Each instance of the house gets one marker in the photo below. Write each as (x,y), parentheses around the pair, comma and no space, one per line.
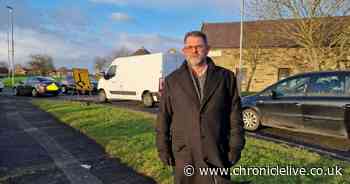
(20,70)
(141,51)
(61,72)
(275,58)
(3,71)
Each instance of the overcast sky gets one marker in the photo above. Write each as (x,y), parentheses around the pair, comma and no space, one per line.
(73,32)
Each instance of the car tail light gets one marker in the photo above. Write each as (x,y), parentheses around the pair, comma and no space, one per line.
(41,87)
(161,86)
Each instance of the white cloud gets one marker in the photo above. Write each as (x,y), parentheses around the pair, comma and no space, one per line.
(121,17)
(78,54)
(152,42)
(64,52)
(226,5)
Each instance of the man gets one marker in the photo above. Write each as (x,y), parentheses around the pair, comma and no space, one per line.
(200,119)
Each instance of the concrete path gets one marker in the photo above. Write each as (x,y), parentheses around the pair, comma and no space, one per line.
(37,149)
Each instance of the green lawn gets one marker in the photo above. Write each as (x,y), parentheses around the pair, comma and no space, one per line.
(129,135)
(246,93)
(8,81)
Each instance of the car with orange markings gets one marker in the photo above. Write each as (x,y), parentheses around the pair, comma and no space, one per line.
(37,86)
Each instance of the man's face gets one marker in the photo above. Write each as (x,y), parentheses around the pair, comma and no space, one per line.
(195,50)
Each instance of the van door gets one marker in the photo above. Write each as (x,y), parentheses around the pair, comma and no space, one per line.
(324,106)
(112,80)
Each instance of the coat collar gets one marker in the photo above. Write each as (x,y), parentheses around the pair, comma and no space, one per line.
(211,83)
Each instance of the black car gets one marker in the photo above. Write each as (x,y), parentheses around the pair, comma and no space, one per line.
(317,102)
(36,86)
(68,85)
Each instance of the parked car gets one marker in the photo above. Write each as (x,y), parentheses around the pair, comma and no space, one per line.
(317,103)
(1,86)
(68,85)
(36,86)
(138,77)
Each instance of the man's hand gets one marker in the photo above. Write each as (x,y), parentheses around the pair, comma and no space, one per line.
(167,159)
(234,157)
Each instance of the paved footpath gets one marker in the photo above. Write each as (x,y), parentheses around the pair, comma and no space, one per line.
(37,149)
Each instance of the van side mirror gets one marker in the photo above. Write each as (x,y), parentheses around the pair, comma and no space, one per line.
(106,76)
(273,94)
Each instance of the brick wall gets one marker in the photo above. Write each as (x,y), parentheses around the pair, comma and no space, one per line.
(269,64)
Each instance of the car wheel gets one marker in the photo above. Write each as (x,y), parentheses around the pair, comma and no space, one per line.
(64,89)
(147,100)
(35,92)
(102,96)
(15,92)
(251,119)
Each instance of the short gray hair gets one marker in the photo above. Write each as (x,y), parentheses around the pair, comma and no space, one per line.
(196,34)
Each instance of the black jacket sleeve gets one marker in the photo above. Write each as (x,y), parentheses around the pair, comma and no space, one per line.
(163,137)
(237,138)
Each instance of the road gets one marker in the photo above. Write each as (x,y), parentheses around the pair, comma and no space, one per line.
(334,147)
(37,149)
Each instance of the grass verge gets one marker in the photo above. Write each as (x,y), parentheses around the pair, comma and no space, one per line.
(8,80)
(129,135)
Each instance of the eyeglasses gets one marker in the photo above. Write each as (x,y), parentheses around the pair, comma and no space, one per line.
(196,47)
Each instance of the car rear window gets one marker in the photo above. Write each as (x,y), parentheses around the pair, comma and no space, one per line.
(44,79)
(347,85)
(328,85)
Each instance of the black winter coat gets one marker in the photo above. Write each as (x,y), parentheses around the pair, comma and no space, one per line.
(207,133)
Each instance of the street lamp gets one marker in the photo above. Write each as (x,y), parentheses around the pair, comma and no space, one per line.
(12,63)
(241,49)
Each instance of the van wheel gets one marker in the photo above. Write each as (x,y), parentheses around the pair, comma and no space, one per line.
(251,119)
(102,96)
(147,100)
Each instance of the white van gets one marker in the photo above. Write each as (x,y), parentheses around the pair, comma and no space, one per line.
(138,77)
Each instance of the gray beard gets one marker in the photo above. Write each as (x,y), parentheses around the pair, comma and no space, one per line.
(196,63)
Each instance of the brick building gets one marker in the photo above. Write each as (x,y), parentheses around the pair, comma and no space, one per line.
(277,58)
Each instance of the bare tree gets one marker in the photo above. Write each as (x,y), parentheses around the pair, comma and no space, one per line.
(319,26)
(121,52)
(3,64)
(101,63)
(41,64)
(253,54)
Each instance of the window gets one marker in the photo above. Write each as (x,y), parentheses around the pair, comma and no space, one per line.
(292,87)
(28,81)
(243,74)
(347,85)
(266,92)
(283,73)
(327,85)
(111,71)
